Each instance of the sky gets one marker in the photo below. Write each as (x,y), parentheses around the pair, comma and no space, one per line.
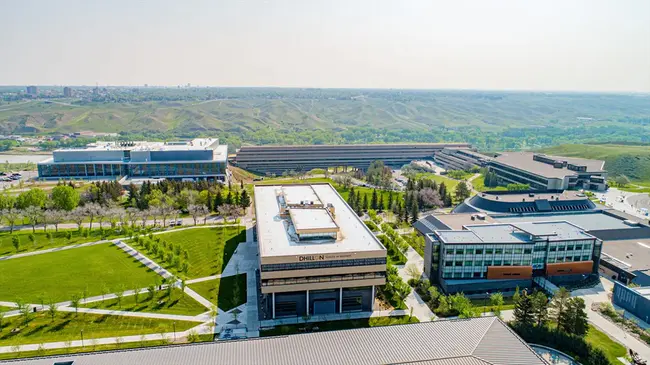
(578,45)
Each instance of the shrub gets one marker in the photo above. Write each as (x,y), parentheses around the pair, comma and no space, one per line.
(68,235)
(48,235)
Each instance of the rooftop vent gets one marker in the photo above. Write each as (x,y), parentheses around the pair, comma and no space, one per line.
(631,222)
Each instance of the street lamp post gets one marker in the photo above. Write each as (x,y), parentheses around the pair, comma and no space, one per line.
(174,331)
(485,303)
(82,338)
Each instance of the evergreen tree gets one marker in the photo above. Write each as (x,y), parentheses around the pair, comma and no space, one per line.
(447,200)
(410,185)
(365,202)
(241,184)
(229,197)
(244,199)
(414,211)
(558,307)
(576,317)
(404,213)
(210,201)
(373,200)
(380,203)
(540,308)
(523,313)
(218,201)
(351,199)
(389,204)
(442,189)
(236,198)
(462,191)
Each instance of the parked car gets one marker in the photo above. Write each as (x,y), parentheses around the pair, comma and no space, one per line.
(172,224)
(179,222)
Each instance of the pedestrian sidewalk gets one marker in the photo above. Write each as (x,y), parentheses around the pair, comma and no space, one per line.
(413,301)
(172,317)
(143,259)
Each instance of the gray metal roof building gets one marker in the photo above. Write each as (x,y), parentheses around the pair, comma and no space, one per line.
(475,341)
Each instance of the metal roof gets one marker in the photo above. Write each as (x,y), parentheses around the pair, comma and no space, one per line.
(475,341)
(524,161)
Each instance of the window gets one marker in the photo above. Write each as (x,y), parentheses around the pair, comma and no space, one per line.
(477,274)
(449,263)
(585,258)
(576,258)
(561,248)
(460,251)
(507,262)
(458,263)
(578,247)
(479,251)
(527,251)
(569,247)
(568,259)
(518,251)
(487,262)
(489,251)
(553,249)
(498,251)
(508,251)
(497,262)
(478,263)
(467,275)
(469,263)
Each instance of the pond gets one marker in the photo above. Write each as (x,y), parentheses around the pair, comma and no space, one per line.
(553,356)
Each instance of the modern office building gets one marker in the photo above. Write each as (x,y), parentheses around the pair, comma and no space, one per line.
(482,258)
(316,255)
(460,158)
(471,341)
(545,172)
(31,90)
(279,159)
(633,300)
(67,92)
(200,158)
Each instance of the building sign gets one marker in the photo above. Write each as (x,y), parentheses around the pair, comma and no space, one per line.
(324,257)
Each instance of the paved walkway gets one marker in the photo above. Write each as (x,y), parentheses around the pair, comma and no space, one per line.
(196,296)
(143,259)
(55,249)
(173,317)
(413,301)
(205,278)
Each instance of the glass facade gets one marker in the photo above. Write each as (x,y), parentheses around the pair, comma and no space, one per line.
(90,170)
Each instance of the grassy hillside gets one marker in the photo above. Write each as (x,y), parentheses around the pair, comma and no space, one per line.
(489,120)
(632,161)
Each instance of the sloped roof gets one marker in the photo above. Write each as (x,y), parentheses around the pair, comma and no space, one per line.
(475,341)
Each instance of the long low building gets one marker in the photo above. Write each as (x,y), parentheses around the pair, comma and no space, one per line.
(545,172)
(278,159)
(473,341)
(316,255)
(460,159)
(200,158)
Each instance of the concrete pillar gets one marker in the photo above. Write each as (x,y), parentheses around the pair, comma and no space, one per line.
(273,304)
(307,303)
(372,298)
(341,300)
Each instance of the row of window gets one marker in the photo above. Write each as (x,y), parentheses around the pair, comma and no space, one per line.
(488,251)
(496,262)
(324,264)
(516,174)
(146,170)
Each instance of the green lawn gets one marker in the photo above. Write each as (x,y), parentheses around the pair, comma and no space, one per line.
(6,309)
(41,242)
(180,303)
(223,292)
(67,326)
(600,340)
(288,180)
(480,304)
(209,249)
(449,183)
(479,185)
(60,275)
(337,325)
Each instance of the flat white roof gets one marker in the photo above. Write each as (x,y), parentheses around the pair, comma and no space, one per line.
(195,144)
(299,193)
(311,218)
(276,235)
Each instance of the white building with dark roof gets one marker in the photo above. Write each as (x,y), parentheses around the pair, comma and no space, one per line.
(316,255)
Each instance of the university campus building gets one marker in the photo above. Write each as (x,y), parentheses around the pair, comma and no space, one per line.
(453,158)
(487,257)
(545,172)
(278,159)
(316,255)
(200,158)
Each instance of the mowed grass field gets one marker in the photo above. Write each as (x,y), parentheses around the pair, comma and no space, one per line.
(179,303)
(67,326)
(41,242)
(209,249)
(600,340)
(58,276)
(227,293)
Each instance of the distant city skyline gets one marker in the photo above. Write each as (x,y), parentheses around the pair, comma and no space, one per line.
(580,45)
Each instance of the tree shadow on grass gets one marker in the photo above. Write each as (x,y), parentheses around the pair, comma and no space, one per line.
(60,326)
(35,330)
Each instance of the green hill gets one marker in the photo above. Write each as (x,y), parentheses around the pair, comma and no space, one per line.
(632,161)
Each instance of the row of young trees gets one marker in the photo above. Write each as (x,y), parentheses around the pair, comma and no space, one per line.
(102,202)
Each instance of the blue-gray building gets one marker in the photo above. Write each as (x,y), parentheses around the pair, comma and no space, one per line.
(633,300)
(200,158)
